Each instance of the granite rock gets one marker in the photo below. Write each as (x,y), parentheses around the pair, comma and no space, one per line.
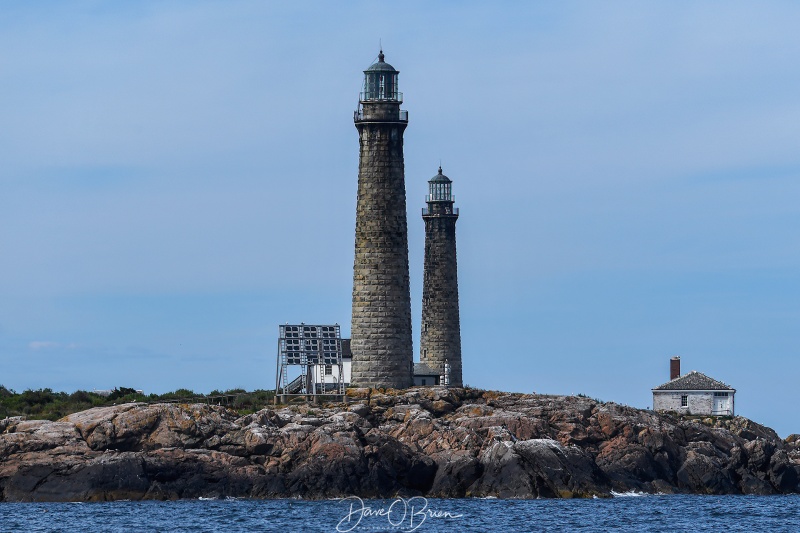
(421,441)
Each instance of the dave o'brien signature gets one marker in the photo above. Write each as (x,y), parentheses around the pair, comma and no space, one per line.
(404,514)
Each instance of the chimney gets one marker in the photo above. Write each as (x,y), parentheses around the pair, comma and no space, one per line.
(674,367)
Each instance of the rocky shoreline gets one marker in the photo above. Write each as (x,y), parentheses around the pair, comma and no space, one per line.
(423,441)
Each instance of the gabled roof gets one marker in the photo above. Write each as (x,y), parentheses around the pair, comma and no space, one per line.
(694,381)
(421,369)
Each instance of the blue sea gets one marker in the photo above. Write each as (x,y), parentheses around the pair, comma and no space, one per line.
(624,513)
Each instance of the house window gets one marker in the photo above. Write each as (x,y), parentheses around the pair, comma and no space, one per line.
(424,381)
(684,400)
(328,370)
(720,394)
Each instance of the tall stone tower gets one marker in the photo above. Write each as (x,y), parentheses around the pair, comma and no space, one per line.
(441,328)
(381,327)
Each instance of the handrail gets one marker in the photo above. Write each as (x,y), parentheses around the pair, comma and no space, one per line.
(431,198)
(296,384)
(402,116)
(427,212)
(396,96)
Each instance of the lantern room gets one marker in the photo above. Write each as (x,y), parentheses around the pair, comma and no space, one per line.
(380,83)
(440,188)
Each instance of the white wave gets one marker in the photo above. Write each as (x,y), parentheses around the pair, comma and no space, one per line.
(629,494)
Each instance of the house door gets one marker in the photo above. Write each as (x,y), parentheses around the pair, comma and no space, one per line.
(721,405)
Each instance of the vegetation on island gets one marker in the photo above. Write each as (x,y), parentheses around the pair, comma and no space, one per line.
(45,404)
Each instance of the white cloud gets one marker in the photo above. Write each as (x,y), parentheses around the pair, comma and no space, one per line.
(43,345)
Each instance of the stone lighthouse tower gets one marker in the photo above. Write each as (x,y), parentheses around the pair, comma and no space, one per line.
(441,329)
(381,327)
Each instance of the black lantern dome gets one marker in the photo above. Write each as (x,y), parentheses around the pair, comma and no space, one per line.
(380,64)
(380,82)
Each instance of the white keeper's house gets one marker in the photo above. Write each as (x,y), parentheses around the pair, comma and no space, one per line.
(693,394)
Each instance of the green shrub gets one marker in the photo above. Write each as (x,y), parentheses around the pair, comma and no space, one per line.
(49,405)
(120,392)
(80,396)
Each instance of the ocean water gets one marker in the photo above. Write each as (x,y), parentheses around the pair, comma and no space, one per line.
(623,513)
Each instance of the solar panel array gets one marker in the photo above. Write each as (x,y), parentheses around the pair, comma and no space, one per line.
(310,345)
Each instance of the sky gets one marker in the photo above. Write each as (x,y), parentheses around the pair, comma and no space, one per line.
(178,178)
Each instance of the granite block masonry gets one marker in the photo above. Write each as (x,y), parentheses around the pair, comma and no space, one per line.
(381,322)
(440,339)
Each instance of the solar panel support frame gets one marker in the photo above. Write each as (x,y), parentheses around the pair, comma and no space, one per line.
(312,348)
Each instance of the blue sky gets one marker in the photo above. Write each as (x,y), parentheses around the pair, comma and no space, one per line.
(179,178)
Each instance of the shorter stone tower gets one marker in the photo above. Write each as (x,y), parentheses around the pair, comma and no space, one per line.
(441,329)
